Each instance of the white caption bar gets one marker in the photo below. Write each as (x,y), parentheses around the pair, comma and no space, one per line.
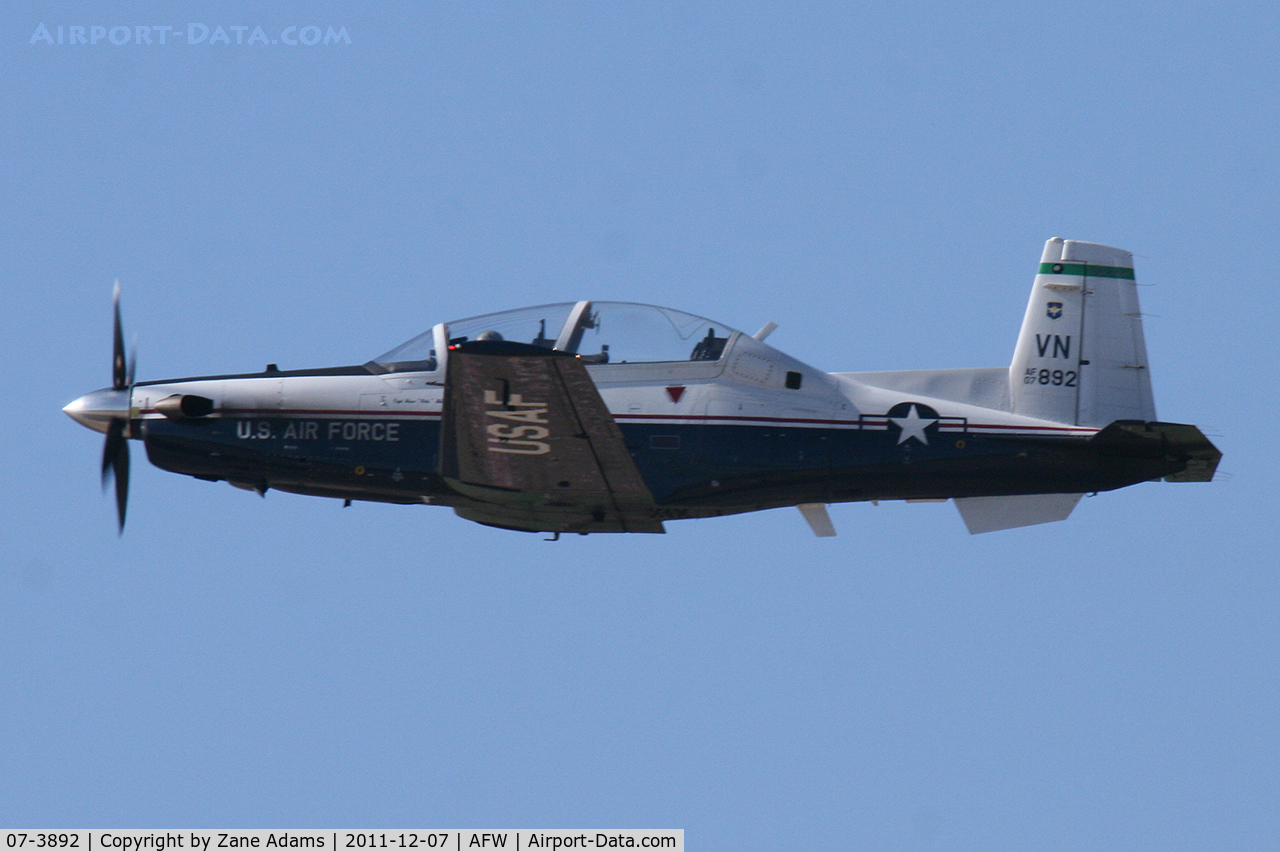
(342,840)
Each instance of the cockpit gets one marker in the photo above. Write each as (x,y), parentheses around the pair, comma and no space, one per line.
(599,332)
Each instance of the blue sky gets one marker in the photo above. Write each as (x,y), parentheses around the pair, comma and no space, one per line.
(879,181)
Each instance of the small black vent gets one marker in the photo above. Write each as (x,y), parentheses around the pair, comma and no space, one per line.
(794,379)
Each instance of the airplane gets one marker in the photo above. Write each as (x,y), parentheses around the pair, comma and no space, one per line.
(591,417)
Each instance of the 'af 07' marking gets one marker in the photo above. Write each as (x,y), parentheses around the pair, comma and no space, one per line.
(522,436)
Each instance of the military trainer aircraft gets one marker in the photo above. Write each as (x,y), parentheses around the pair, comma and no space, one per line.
(616,417)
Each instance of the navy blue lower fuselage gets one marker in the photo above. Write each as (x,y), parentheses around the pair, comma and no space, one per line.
(693,468)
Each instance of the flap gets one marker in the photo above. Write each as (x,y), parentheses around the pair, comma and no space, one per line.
(525,433)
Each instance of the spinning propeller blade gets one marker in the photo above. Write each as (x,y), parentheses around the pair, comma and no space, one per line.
(115,462)
(120,378)
(115,450)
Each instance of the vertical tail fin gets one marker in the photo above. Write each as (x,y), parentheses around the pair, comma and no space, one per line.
(1081,357)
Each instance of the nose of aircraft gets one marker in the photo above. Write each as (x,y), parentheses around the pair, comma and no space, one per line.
(96,410)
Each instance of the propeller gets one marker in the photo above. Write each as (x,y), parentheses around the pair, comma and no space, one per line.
(115,451)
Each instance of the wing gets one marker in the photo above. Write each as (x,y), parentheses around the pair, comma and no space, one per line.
(527,438)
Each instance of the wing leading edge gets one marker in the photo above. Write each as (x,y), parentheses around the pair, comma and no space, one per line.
(526,436)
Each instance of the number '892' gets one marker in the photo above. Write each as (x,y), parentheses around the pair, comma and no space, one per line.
(1063,378)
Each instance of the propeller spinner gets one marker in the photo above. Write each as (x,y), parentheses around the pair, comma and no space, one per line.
(108,411)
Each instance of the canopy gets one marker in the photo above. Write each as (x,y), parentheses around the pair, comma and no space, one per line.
(602,332)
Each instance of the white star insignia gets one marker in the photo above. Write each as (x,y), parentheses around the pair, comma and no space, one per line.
(913,426)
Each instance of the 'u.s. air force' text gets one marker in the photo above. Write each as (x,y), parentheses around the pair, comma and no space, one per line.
(314,430)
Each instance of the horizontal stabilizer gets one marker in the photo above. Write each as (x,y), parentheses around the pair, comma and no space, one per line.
(988,514)
(1174,442)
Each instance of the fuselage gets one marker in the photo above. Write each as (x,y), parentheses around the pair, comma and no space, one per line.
(753,429)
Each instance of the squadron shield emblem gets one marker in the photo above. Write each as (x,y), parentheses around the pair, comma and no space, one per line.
(1054,310)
